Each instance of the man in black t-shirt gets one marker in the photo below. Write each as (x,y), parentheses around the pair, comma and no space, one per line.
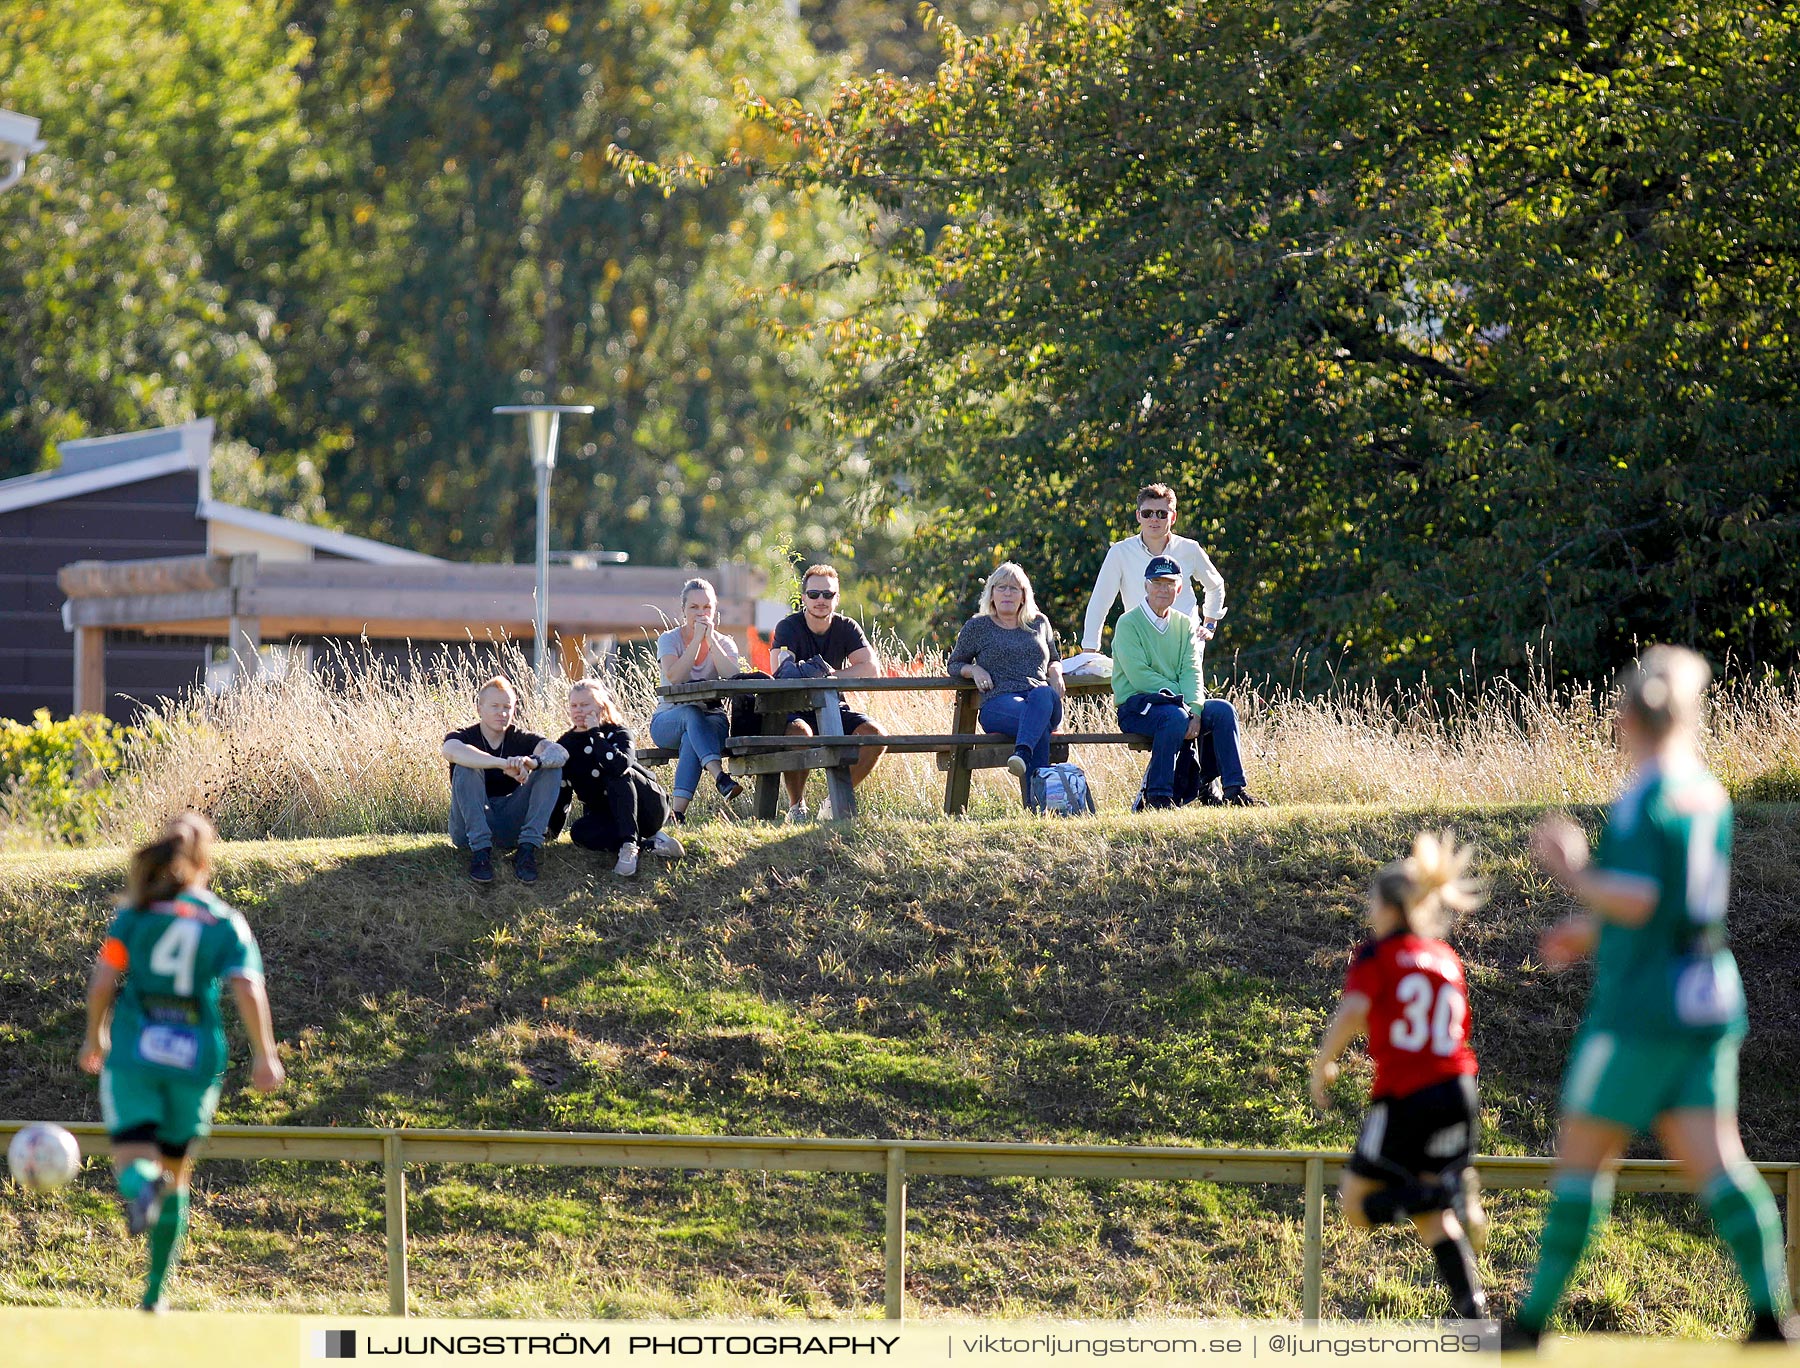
(503,785)
(819,642)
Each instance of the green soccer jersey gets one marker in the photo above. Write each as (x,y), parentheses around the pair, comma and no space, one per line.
(1673,974)
(175,955)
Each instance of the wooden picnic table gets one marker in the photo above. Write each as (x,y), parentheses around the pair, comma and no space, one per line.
(960,751)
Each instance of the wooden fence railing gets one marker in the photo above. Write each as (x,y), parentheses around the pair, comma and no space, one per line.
(897,1160)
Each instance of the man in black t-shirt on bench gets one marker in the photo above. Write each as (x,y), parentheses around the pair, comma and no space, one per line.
(816,643)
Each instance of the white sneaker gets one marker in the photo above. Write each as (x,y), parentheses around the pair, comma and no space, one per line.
(667,846)
(626,868)
(1017,765)
(798,813)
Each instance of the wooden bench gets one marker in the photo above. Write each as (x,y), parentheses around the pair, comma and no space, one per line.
(960,751)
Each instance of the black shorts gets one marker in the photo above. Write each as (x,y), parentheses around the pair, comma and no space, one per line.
(145,1134)
(852,719)
(1429,1133)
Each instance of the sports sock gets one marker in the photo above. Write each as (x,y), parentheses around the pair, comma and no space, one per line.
(132,1178)
(1456,1266)
(165,1242)
(1579,1203)
(1743,1212)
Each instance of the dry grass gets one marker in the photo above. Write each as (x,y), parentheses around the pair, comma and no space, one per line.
(352,748)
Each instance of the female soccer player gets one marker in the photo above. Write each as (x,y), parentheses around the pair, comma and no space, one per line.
(1405,990)
(154,1034)
(1658,1049)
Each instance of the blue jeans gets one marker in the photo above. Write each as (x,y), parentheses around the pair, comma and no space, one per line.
(1212,754)
(478,822)
(698,734)
(1028,718)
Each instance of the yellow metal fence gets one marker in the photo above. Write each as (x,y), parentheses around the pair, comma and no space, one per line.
(897,1160)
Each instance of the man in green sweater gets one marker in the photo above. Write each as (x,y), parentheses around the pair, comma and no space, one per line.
(1156,684)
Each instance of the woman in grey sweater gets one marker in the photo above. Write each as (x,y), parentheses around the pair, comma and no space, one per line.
(1010,650)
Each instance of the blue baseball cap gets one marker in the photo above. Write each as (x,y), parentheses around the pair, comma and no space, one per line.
(1162,567)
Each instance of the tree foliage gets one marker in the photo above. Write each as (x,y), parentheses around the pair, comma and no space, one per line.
(1454,323)
(880,36)
(497,261)
(348,231)
(124,255)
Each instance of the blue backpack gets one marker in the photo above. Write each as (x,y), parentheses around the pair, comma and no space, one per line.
(1061,790)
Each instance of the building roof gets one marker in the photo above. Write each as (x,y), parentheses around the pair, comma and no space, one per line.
(92,464)
(319,538)
(96,463)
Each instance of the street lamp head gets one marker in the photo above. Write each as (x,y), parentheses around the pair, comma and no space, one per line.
(543,420)
(18,140)
(542,423)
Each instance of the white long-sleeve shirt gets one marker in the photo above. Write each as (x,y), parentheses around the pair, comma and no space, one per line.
(1122,577)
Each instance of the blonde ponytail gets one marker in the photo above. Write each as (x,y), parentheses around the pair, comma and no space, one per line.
(180,858)
(1432,886)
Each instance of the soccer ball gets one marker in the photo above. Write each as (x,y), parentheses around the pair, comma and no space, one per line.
(43,1157)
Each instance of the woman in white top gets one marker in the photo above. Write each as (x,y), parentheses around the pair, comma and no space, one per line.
(1122,574)
(692,652)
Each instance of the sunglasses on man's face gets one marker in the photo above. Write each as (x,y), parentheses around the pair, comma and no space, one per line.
(1160,514)
(821,593)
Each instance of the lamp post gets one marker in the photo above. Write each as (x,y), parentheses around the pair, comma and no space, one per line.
(542,422)
(18,140)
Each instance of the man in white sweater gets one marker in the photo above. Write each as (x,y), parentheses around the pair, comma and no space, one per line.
(1122,575)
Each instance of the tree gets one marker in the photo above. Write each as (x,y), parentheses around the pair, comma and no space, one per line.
(488,258)
(879,36)
(1453,322)
(347,232)
(133,258)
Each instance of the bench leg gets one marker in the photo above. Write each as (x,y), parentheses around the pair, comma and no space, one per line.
(956,784)
(843,793)
(837,777)
(768,797)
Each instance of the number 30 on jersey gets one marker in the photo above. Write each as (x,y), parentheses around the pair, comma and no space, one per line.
(1432,1013)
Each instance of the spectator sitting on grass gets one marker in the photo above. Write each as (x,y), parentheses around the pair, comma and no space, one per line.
(1156,684)
(499,788)
(815,643)
(623,808)
(1009,650)
(689,654)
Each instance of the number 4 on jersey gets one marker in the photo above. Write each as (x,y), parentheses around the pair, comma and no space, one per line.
(1431,1013)
(174,953)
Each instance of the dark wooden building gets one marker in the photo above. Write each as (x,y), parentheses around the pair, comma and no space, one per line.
(131,497)
(123,581)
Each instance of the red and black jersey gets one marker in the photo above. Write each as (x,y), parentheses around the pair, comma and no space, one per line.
(1418,1012)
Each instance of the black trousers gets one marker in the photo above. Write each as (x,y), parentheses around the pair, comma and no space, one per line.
(635,809)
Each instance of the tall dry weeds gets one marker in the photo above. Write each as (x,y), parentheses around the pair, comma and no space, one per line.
(351,747)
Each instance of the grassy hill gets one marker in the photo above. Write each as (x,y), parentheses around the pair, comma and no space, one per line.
(1147,980)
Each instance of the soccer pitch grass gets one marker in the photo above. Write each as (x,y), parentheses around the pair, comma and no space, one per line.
(1134,981)
(57,1338)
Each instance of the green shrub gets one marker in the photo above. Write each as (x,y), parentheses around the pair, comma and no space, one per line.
(56,777)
